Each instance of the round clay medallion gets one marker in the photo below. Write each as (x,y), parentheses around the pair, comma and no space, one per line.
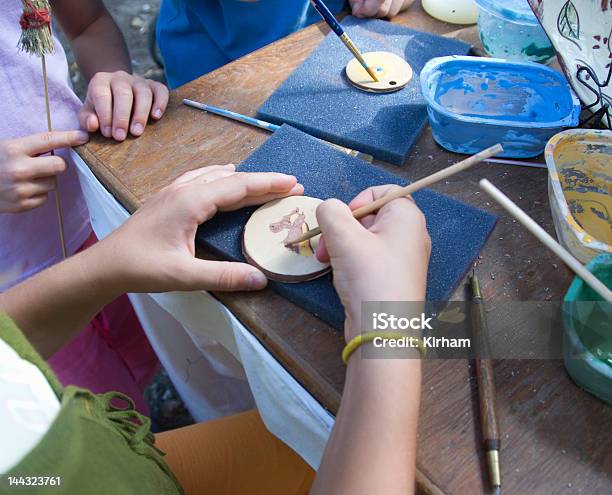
(393,72)
(270,227)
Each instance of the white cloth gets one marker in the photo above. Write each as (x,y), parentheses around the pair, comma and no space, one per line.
(28,407)
(222,343)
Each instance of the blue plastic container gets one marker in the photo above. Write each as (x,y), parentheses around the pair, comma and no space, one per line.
(509,29)
(476,102)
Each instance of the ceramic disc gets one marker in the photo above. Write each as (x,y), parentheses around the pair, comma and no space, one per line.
(392,71)
(270,227)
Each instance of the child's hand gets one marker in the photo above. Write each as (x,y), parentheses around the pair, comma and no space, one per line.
(378,8)
(382,257)
(112,97)
(166,226)
(27,178)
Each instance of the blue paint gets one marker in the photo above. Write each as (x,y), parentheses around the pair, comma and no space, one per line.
(476,102)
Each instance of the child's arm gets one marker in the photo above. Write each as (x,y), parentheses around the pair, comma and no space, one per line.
(95,39)
(117,102)
(372,447)
(152,252)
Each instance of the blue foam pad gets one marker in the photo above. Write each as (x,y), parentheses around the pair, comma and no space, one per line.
(458,231)
(319,100)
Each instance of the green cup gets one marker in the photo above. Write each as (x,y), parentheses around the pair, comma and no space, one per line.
(587,342)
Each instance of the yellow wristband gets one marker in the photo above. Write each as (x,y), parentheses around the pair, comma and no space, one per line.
(363,338)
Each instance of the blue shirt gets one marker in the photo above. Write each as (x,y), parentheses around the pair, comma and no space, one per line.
(197,36)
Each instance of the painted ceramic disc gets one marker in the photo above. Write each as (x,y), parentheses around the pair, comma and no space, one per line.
(270,227)
(392,71)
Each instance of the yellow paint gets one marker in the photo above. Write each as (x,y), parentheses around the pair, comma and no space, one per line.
(584,174)
(305,247)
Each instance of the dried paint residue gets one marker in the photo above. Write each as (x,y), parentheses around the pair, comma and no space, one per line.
(586,182)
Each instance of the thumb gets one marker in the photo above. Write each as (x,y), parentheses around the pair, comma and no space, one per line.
(338,226)
(88,119)
(225,276)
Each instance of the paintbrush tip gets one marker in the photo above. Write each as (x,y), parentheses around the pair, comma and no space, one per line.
(497,490)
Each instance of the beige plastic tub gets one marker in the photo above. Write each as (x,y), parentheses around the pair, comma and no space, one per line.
(580,190)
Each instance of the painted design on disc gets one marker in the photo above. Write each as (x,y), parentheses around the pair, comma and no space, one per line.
(271,227)
(393,72)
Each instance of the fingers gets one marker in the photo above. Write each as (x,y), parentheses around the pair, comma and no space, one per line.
(372,8)
(207,174)
(37,144)
(123,97)
(143,99)
(30,203)
(224,276)
(44,167)
(241,189)
(38,187)
(370,195)
(100,100)
(340,229)
(88,119)
(160,99)
(120,102)
(296,190)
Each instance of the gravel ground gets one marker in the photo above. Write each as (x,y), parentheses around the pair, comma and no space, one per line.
(136,21)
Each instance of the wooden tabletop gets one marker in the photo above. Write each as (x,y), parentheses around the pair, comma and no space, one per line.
(555,437)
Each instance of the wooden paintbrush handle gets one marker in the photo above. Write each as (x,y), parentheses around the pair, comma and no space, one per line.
(414,187)
(427,181)
(485,377)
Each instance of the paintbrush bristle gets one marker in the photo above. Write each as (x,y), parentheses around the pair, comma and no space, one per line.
(36,38)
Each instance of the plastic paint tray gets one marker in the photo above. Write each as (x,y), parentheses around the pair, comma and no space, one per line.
(580,190)
(587,341)
(476,102)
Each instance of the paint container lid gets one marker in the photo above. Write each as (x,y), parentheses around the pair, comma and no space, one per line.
(512,10)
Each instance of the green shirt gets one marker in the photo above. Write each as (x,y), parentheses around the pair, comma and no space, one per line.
(98,444)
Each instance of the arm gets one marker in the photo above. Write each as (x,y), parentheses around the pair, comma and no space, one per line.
(94,37)
(372,447)
(152,252)
(117,101)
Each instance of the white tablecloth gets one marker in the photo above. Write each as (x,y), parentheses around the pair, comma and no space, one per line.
(208,353)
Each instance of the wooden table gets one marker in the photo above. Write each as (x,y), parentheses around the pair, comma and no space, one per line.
(555,437)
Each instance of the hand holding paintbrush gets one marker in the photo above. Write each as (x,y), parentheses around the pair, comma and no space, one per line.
(411,188)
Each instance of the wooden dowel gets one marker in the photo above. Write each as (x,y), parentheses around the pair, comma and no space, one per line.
(411,188)
(546,239)
(58,202)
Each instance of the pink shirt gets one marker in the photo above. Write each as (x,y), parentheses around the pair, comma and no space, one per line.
(29,242)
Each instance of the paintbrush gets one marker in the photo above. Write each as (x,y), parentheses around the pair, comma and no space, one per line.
(333,23)
(486,385)
(262,124)
(411,188)
(546,239)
